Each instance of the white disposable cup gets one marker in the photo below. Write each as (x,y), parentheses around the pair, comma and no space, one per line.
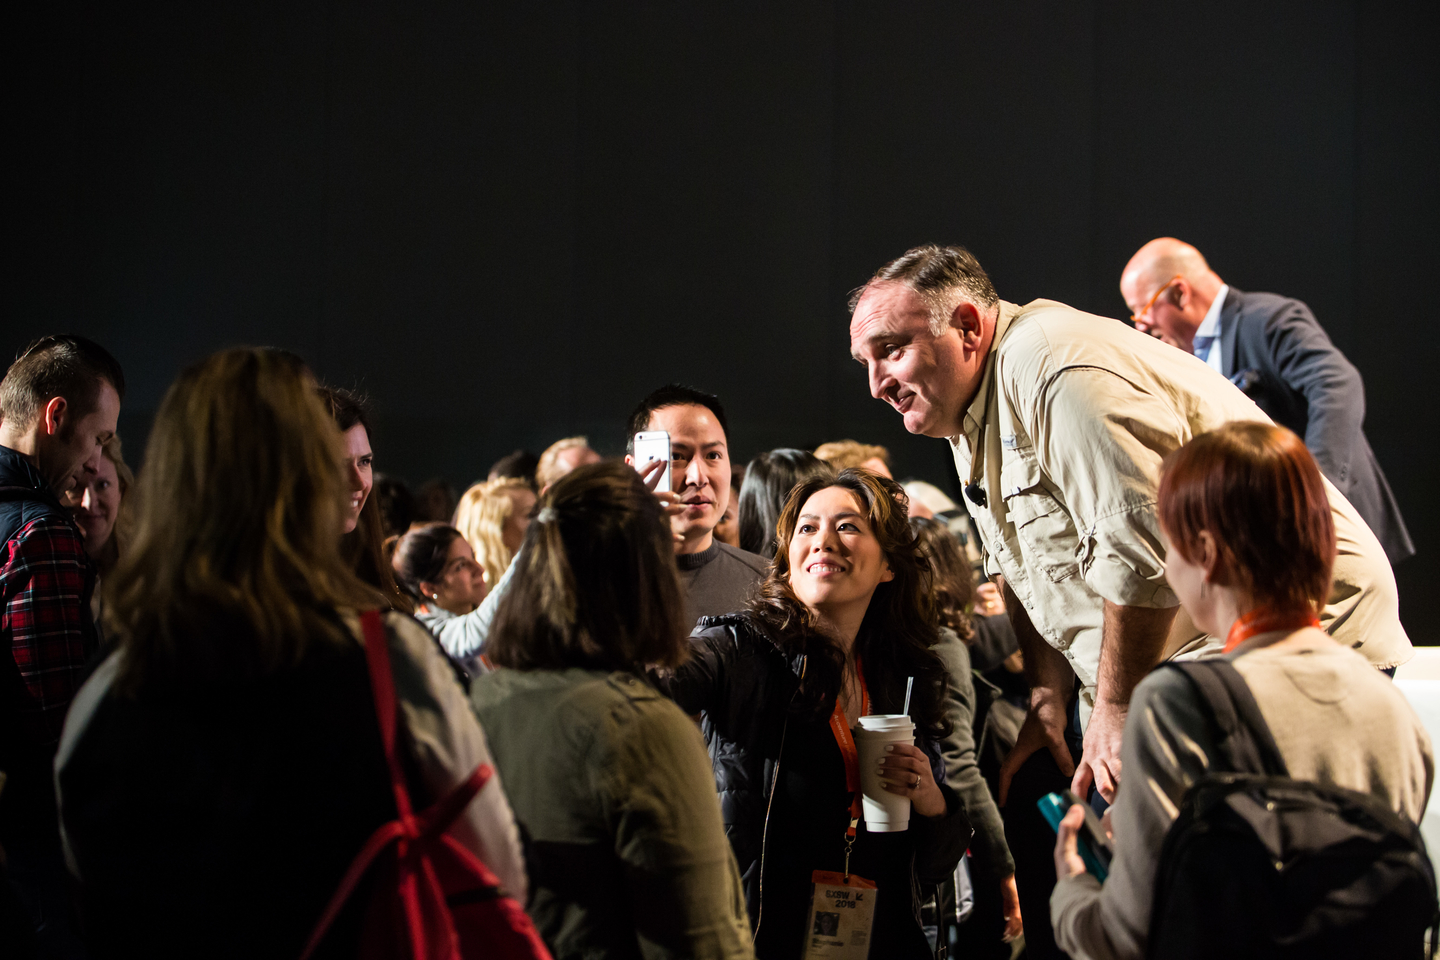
(885,812)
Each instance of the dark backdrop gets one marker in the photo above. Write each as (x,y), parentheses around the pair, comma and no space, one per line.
(507,223)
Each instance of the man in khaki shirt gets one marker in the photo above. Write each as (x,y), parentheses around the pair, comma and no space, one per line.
(1059,421)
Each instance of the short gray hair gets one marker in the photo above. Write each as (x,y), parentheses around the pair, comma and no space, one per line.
(941,276)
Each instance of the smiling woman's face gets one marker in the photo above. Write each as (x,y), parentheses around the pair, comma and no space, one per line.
(835,559)
(359,473)
(98,506)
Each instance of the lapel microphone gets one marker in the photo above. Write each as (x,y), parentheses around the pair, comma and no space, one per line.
(976,493)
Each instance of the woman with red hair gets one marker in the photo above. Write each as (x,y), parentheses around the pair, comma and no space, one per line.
(1250,545)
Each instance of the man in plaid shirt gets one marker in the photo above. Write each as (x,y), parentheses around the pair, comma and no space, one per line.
(58,405)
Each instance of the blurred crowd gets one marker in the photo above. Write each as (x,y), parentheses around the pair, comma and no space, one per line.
(639,697)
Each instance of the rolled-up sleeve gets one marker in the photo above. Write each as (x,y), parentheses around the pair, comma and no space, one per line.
(1101,439)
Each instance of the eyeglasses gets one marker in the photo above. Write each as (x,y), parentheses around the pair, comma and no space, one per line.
(1135,317)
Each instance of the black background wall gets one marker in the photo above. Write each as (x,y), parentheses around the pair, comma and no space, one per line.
(507,223)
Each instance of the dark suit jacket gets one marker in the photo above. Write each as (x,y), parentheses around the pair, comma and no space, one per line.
(1273,348)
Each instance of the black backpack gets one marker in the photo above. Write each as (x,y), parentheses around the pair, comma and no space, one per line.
(1260,865)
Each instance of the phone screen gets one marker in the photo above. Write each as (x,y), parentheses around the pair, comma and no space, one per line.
(1094,847)
(653,445)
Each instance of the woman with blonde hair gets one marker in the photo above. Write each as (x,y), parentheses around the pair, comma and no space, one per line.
(103,510)
(219,771)
(492,517)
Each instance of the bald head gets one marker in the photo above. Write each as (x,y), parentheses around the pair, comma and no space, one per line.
(1169,288)
(1166,257)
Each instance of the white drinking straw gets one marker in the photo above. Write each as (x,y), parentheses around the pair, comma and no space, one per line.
(909,684)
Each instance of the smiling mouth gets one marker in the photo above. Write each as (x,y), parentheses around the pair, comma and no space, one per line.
(824,568)
(903,404)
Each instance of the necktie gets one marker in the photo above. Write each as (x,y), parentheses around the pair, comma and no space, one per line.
(1202,347)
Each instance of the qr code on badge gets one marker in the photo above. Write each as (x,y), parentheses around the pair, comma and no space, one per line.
(826,924)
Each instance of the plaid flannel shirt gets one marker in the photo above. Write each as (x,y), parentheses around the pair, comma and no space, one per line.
(43,578)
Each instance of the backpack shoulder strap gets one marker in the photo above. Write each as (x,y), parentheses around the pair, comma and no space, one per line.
(1245,737)
(382,685)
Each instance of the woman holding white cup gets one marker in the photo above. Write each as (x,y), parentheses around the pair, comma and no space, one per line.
(841,623)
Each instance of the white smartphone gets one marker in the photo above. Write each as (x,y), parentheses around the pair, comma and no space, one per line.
(653,445)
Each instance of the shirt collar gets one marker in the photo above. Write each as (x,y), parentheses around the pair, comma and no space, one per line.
(16,469)
(975,413)
(1210,326)
(694,561)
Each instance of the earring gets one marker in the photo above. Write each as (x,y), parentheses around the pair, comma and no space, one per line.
(434,596)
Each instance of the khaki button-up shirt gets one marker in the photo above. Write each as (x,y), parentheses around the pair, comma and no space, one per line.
(1072,419)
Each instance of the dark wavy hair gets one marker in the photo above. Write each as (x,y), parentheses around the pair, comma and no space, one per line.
(596,585)
(954,590)
(899,627)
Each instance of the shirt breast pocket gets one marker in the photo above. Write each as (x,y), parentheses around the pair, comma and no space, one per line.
(1042,526)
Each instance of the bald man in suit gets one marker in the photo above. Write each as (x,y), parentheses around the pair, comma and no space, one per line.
(1273,349)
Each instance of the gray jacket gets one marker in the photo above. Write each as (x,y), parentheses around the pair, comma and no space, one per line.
(1336,719)
(961,771)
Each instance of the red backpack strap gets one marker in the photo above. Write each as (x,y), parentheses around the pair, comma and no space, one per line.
(407,828)
(382,688)
(382,685)
(442,813)
(445,811)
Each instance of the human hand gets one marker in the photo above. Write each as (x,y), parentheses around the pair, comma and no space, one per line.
(1067,854)
(1100,763)
(650,474)
(1043,729)
(905,771)
(988,600)
(1010,906)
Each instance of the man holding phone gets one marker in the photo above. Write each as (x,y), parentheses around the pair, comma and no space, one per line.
(717,577)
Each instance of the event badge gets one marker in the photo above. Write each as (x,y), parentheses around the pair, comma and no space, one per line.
(842,911)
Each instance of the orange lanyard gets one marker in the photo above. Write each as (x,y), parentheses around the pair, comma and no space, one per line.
(841,729)
(1264,620)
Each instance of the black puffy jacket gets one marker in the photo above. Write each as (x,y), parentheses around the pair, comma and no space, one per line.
(744,684)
